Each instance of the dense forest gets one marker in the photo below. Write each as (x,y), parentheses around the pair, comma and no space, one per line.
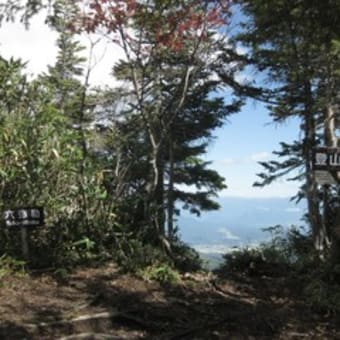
(113,167)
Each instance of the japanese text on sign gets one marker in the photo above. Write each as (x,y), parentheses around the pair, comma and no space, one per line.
(326,158)
(24,217)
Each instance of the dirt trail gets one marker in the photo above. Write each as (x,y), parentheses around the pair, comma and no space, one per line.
(103,303)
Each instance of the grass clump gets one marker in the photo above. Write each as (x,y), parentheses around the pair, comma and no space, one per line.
(162,273)
(10,266)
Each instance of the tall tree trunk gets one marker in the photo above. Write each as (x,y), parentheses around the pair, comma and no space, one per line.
(159,197)
(333,224)
(313,202)
(330,136)
(170,206)
(154,205)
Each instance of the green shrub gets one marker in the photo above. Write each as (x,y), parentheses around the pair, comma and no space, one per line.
(291,254)
(11,266)
(322,287)
(132,254)
(161,273)
(323,295)
(263,260)
(185,258)
(285,252)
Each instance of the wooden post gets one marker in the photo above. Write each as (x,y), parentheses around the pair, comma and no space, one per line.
(24,243)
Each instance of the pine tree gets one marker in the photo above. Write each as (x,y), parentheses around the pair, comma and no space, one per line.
(66,85)
(295,54)
(163,57)
(188,139)
(64,76)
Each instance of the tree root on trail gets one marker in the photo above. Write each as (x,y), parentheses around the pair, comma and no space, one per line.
(92,336)
(91,321)
(226,294)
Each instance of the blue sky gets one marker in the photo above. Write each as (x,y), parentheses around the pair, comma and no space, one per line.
(250,137)
(246,138)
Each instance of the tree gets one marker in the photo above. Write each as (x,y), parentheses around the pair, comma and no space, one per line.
(44,159)
(191,133)
(295,53)
(37,154)
(157,37)
(24,9)
(64,76)
(122,179)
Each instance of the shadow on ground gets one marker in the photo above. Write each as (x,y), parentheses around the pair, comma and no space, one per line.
(121,306)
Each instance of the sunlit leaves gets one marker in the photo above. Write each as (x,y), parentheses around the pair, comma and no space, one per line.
(168,23)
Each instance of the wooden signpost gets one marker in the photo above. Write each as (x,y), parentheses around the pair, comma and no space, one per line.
(24,218)
(324,177)
(326,165)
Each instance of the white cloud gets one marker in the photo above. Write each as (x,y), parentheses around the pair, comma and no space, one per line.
(239,188)
(241,50)
(37,47)
(228,161)
(255,157)
(212,248)
(227,234)
(243,78)
(293,210)
(240,176)
(263,208)
(260,156)
(221,248)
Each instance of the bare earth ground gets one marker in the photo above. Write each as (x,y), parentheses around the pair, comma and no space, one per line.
(103,303)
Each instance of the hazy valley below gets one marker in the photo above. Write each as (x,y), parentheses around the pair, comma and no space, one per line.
(238,223)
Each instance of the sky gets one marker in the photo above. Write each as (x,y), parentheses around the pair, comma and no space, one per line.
(247,137)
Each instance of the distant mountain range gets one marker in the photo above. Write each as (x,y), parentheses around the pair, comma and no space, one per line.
(239,222)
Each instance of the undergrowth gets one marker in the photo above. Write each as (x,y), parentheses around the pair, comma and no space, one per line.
(10,266)
(162,273)
(290,254)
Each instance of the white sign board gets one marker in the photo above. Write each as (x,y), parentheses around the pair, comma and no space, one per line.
(324,177)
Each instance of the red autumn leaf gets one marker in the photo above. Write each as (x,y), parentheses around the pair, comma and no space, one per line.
(170,28)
